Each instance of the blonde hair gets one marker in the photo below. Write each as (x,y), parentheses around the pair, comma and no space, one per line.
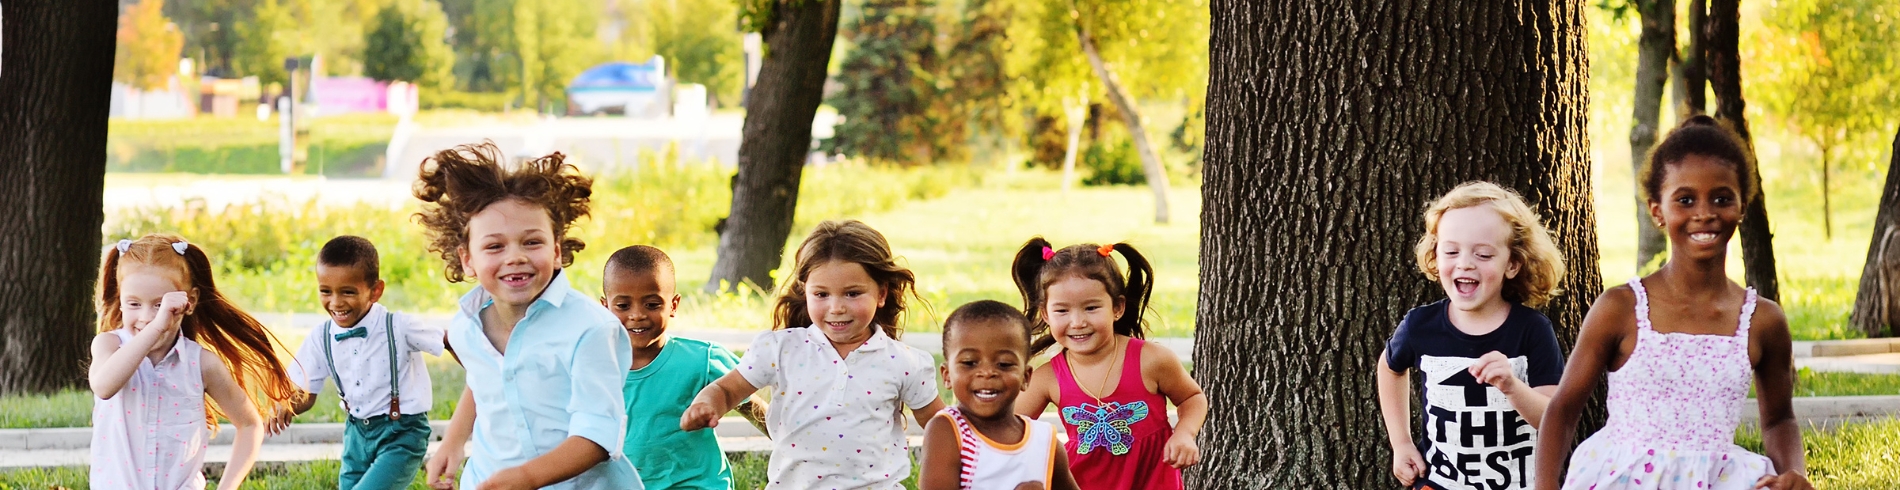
(1540,264)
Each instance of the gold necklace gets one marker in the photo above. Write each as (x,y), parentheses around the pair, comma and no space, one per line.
(1106,376)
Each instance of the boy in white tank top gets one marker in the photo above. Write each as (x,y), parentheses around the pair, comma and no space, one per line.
(981,443)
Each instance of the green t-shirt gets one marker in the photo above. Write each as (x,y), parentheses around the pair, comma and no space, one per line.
(655,398)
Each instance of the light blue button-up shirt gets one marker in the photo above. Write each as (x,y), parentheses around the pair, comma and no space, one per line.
(562,376)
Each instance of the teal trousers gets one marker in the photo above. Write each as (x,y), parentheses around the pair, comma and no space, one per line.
(383,454)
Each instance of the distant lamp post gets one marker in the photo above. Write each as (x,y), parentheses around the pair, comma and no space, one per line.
(286,104)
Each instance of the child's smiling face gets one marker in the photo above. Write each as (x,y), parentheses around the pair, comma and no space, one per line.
(1081,314)
(512,251)
(643,301)
(1474,256)
(985,366)
(345,294)
(1699,205)
(142,289)
(842,299)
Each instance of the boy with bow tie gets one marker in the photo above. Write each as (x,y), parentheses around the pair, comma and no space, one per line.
(375,357)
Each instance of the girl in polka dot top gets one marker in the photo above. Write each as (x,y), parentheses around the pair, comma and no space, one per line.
(840,379)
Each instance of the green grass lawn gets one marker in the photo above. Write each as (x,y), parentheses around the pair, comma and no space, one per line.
(1852,457)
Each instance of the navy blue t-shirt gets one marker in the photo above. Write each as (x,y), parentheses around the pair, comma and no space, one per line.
(1474,439)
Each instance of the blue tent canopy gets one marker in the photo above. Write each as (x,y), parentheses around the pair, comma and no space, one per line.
(620,76)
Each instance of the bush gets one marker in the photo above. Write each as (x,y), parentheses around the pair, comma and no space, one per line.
(1112,161)
(456,99)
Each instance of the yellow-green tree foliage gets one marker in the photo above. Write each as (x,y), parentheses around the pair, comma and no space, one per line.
(554,41)
(1828,69)
(699,39)
(1158,49)
(148,46)
(407,42)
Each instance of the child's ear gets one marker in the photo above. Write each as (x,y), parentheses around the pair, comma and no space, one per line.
(376,291)
(1028,373)
(468,270)
(1516,265)
(191,300)
(603,303)
(673,306)
(1121,306)
(943,371)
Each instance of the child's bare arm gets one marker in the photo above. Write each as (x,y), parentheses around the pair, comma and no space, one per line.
(1173,381)
(1395,408)
(715,400)
(923,415)
(1494,369)
(1060,478)
(113,363)
(574,456)
(237,407)
(753,409)
(1036,396)
(445,466)
(942,462)
(1610,318)
(1774,382)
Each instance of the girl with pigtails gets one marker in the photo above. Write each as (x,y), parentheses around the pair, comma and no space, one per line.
(1111,387)
(173,356)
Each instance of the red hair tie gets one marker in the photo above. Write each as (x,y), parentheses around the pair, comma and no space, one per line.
(1106,249)
(1048,253)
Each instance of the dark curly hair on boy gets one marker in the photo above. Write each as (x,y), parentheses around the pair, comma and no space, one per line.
(459,182)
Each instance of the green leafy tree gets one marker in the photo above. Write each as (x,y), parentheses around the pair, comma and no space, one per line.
(148,46)
(553,41)
(975,71)
(264,42)
(699,40)
(1833,76)
(278,29)
(406,42)
(889,81)
(210,31)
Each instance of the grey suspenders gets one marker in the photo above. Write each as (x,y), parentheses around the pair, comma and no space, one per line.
(395,384)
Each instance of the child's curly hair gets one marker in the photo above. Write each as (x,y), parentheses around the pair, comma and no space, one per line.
(1541,265)
(459,182)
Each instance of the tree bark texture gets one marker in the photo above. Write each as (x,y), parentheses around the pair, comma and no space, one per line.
(55,82)
(1151,168)
(1725,78)
(775,142)
(1877,306)
(1693,75)
(1330,127)
(1655,46)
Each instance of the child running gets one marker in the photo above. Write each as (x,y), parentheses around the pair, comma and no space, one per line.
(1489,360)
(168,341)
(375,356)
(668,371)
(545,362)
(982,443)
(1113,388)
(1680,347)
(834,336)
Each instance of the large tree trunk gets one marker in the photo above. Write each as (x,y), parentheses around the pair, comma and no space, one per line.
(776,140)
(1329,126)
(1151,168)
(1725,78)
(1655,47)
(1877,306)
(55,79)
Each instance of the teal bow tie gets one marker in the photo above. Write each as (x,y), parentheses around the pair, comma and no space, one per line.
(353,333)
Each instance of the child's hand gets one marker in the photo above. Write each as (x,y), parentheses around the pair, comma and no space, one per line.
(1494,369)
(1785,481)
(279,422)
(698,416)
(508,479)
(1181,451)
(445,468)
(1407,464)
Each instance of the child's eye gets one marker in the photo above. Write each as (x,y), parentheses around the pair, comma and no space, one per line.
(853,294)
(1686,201)
(653,306)
(1486,256)
(1006,365)
(967,363)
(1723,201)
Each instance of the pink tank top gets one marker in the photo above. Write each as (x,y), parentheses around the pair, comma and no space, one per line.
(1116,443)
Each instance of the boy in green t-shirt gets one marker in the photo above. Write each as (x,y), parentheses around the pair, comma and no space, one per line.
(667,372)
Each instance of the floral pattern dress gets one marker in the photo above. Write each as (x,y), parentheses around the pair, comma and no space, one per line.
(1674,407)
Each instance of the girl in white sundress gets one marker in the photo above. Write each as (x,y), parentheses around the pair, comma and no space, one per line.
(1680,347)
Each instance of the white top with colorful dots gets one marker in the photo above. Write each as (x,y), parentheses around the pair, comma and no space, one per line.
(152,435)
(838,423)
